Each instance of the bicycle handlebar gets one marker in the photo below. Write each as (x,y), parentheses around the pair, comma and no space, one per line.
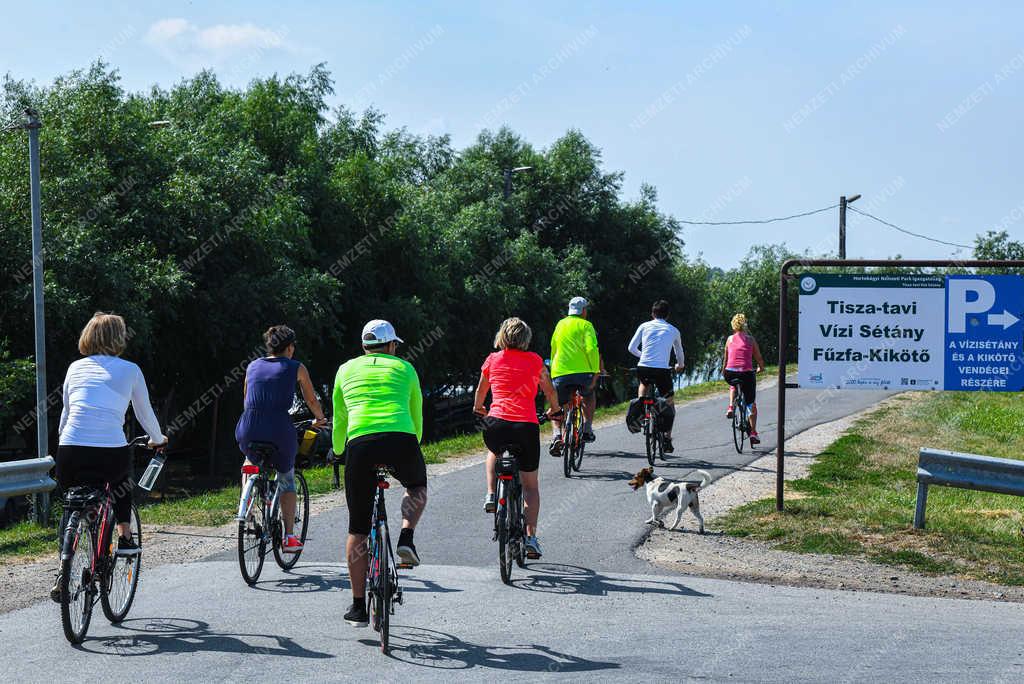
(143,442)
(308,423)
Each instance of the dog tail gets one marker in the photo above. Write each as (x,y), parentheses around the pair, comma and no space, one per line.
(705,478)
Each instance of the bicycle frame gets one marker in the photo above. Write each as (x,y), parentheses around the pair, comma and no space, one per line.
(256,482)
(103,512)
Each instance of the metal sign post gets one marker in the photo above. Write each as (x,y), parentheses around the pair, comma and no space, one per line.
(42,499)
(785,276)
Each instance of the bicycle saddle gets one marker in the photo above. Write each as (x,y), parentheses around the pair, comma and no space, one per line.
(262,450)
(77,498)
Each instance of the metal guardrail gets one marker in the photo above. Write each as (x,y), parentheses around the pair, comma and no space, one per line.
(965,471)
(31,476)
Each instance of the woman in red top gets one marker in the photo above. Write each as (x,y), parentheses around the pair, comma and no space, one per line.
(512,375)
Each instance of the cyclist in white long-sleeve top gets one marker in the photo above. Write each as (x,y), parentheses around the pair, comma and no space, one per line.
(653,343)
(93,449)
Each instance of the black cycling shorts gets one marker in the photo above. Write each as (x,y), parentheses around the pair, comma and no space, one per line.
(522,440)
(659,377)
(565,385)
(399,450)
(96,467)
(748,382)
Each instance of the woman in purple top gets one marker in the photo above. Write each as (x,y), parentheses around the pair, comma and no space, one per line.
(268,391)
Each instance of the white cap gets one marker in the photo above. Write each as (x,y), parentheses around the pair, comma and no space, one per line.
(379,332)
(577,305)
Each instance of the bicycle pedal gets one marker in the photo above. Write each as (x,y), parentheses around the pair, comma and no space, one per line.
(405,566)
(398,598)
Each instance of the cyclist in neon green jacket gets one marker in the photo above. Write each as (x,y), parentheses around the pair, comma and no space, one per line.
(378,420)
(575,363)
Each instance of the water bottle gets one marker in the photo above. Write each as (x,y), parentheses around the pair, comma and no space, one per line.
(148,479)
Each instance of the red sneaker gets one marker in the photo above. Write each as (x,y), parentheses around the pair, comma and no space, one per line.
(291,544)
(754,439)
(729,412)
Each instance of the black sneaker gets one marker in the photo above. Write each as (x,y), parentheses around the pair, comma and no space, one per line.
(357,615)
(666,442)
(126,547)
(407,554)
(556,447)
(55,590)
(406,550)
(589,437)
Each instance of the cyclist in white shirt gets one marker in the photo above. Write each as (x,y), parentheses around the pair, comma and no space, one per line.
(92,448)
(653,343)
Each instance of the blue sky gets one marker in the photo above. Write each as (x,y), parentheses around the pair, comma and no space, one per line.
(732,110)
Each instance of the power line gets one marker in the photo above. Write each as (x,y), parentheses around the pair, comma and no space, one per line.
(768,220)
(908,232)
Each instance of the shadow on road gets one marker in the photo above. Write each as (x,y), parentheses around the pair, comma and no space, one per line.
(556,578)
(708,465)
(149,636)
(305,579)
(442,651)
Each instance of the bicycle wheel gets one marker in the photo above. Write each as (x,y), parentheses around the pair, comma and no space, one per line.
(76,584)
(569,442)
(520,527)
(649,441)
(380,600)
(737,428)
(122,580)
(577,456)
(505,551)
(579,444)
(252,542)
(287,561)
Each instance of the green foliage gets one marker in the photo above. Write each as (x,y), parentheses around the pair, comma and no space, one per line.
(998,245)
(17,385)
(259,206)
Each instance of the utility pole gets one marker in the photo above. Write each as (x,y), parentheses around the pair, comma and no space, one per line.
(42,500)
(843,201)
(507,173)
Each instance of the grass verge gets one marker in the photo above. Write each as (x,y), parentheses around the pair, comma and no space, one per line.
(859,496)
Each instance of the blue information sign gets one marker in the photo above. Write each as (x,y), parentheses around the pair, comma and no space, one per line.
(984,333)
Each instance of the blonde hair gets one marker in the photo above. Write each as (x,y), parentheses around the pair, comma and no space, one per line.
(739,322)
(103,334)
(513,334)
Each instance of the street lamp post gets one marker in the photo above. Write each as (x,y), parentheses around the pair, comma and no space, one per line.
(508,178)
(42,500)
(843,201)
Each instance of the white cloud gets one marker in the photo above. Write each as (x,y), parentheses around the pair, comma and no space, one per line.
(185,43)
(166,30)
(238,36)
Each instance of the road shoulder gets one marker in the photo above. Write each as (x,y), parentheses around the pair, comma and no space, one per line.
(717,555)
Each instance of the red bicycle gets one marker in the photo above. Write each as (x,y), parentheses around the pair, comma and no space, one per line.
(90,566)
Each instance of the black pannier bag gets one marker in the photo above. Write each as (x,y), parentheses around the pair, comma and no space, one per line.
(635,416)
(664,414)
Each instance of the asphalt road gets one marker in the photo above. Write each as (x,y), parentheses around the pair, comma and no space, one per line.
(588,609)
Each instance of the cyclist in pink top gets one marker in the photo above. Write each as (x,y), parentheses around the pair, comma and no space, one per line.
(512,376)
(741,351)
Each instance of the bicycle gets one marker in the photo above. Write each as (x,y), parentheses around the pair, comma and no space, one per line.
(509,519)
(382,588)
(654,438)
(572,441)
(740,417)
(260,521)
(88,558)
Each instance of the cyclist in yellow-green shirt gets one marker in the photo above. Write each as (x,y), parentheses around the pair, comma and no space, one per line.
(378,420)
(575,363)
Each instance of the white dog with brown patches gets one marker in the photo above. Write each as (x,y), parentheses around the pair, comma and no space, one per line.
(664,495)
